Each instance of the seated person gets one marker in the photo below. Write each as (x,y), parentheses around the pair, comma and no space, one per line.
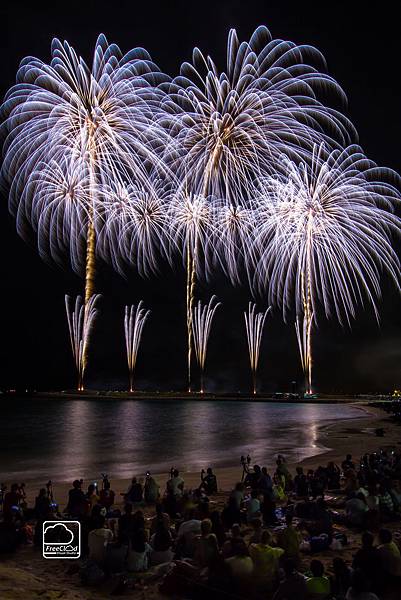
(355,510)
(252,506)
(126,524)
(240,563)
(161,543)
(97,541)
(390,553)
(359,589)
(318,586)
(293,586)
(368,560)
(138,553)
(230,545)
(348,463)
(265,560)
(289,539)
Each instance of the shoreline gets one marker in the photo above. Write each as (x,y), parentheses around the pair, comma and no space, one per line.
(334,439)
(174,396)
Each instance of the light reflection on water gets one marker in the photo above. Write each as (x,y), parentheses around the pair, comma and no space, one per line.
(62,440)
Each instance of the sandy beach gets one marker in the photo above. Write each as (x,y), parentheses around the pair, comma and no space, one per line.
(26,575)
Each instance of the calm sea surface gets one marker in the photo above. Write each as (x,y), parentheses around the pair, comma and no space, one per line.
(63,440)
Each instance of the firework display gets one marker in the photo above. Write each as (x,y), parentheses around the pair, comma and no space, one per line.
(134,320)
(249,171)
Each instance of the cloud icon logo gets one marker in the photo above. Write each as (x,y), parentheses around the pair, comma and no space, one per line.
(58,533)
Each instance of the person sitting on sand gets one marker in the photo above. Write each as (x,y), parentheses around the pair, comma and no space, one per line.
(187,532)
(355,510)
(293,586)
(97,541)
(257,530)
(160,517)
(235,536)
(135,492)
(176,484)
(390,554)
(209,482)
(252,506)
(341,579)
(359,589)
(138,553)
(240,563)
(348,463)
(231,514)
(126,524)
(301,485)
(318,586)
(266,561)
(77,504)
(238,494)
(369,561)
(289,539)
(205,548)
(161,543)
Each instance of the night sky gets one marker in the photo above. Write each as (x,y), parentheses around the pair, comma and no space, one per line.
(362,49)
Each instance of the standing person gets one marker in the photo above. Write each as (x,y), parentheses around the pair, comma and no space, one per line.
(301,485)
(151,489)
(208,482)
(92,496)
(135,492)
(106,496)
(341,579)
(11,499)
(77,504)
(176,484)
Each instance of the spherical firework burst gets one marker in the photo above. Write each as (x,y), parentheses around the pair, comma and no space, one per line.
(324,237)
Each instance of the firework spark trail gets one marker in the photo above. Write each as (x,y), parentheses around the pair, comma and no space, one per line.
(80,317)
(134,320)
(325,238)
(254,323)
(202,323)
(190,220)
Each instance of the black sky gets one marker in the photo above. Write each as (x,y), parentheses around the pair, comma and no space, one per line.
(362,48)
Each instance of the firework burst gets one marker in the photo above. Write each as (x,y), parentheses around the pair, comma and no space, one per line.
(325,238)
(134,320)
(202,323)
(254,323)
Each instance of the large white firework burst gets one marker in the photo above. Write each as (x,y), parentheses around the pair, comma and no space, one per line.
(63,111)
(326,229)
(229,127)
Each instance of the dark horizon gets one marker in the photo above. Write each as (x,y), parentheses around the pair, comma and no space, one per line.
(362,53)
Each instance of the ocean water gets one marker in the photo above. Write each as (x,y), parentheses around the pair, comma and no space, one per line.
(64,440)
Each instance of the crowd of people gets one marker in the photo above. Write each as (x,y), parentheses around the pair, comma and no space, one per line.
(263,540)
